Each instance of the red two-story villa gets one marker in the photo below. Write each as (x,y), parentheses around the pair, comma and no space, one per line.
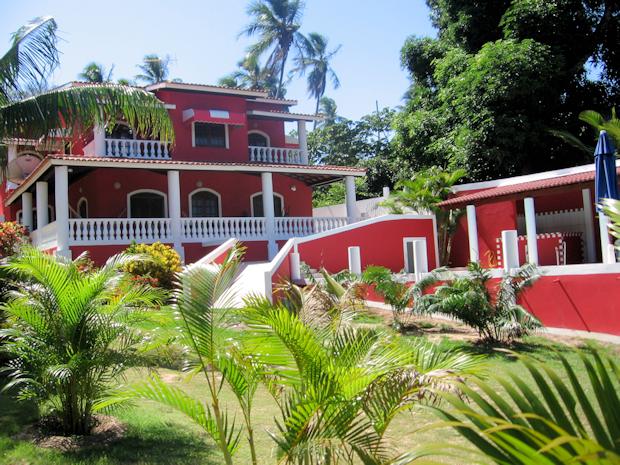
(232,172)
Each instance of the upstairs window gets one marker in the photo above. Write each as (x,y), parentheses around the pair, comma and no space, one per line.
(210,135)
(257,205)
(204,204)
(256,139)
(147,204)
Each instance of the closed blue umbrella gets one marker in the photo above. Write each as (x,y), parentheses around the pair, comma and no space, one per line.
(605,181)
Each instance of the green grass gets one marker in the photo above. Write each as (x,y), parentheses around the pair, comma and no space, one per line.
(158,435)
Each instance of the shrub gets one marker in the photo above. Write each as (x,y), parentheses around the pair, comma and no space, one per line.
(160,266)
(12,236)
(395,293)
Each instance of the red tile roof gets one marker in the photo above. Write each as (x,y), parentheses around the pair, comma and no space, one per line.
(530,186)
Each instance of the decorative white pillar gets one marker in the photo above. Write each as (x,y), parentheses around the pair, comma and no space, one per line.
(530,227)
(42,204)
(268,211)
(420,258)
(11,155)
(588,221)
(386,192)
(174,210)
(350,198)
(61,202)
(607,248)
(302,136)
(510,249)
(99,140)
(355,261)
(472,234)
(27,210)
(295,264)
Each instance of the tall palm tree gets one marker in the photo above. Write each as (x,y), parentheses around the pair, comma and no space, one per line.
(276,23)
(329,109)
(96,73)
(33,55)
(316,59)
(154,69)
(250,74)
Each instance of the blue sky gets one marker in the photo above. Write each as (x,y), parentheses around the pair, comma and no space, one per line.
(201,36)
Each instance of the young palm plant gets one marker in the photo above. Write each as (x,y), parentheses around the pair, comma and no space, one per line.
(395,293)
(70,333)
(554,417)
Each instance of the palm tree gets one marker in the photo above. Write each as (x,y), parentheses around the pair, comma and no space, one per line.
(154,69)
(276,23)
(316,59)
(70,333)
(96,73)
(251,75)
(597,122)
(31,58)
(329,109)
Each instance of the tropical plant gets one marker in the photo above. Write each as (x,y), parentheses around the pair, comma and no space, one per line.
(491,309)
(611,207)
(32,57)
(71,333)
(12,236)
(338,387)
(154,69)
(203,301)
(96,73)
(598,123)
(554,416)
(316,61)
(395,293)
(423,193)
(329,110)
(160,265)
(251,75)
(276,23)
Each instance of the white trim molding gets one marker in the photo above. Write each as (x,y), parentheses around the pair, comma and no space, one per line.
(204,189)
(150,191)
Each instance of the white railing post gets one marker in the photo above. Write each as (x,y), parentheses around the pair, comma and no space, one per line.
(27,210)
(420,258)
(530,227)
(268,211)
(174,210)
(303,141)
(99,141)
(295,264)
(472,234)
(42,204)
(350,198)
(61,201)
(607,252)
(510,249)
(355,260)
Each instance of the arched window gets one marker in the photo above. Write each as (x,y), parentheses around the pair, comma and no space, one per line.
(146,204)
(82,208)
(204,203)
(257,205)
(258,139)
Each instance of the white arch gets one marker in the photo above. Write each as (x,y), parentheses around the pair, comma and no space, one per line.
(262,133)
(144,191)
(275,194)
(82,200)
(205,189)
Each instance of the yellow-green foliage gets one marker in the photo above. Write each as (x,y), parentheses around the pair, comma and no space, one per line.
(159,269)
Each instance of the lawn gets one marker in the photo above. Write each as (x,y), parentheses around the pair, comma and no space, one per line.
(159,435)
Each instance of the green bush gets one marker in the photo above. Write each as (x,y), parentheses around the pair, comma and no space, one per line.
(159,268)
(12,236)
(395,293)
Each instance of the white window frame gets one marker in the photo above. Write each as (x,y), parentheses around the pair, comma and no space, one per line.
(206,146)
(77,210)
(407,240)
(205,189)
(149,191)
(260,193)
(262,133)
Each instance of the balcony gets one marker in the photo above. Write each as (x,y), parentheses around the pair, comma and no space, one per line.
(137,148)
(276,155)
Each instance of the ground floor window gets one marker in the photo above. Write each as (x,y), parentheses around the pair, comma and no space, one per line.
(147,204)
(50,217)
(257,205)
(204,203)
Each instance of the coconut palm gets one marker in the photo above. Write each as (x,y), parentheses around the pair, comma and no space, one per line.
(316,61)
(597,122)
(329,110)
(276,23)
(154,69)
(96,73)
(70,333)
(251,75)
(31,58)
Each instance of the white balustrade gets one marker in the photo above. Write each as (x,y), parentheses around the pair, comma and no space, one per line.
(45,238)
(299,226)
(119,230)
(207,229)
(275,155)
(137,148)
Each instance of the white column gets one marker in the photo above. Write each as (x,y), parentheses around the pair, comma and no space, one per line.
(174,210)
(11,155)
(350,198)
(303,141)
(588,221)
(27,210)
(530,227)
(61,202)
(295,264)
(99,140)
(268,211)
(42,203)
(472,234)
(607,248)
(386,192)
(355,260)
(420,258)
(510,249)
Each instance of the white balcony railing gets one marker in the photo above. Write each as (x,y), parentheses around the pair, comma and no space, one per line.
(119,230)
(275,155)
(137,148)
(214,229)
(45,238)
(299,226)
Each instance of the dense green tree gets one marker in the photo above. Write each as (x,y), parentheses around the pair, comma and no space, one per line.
(96,73)
(499,75)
